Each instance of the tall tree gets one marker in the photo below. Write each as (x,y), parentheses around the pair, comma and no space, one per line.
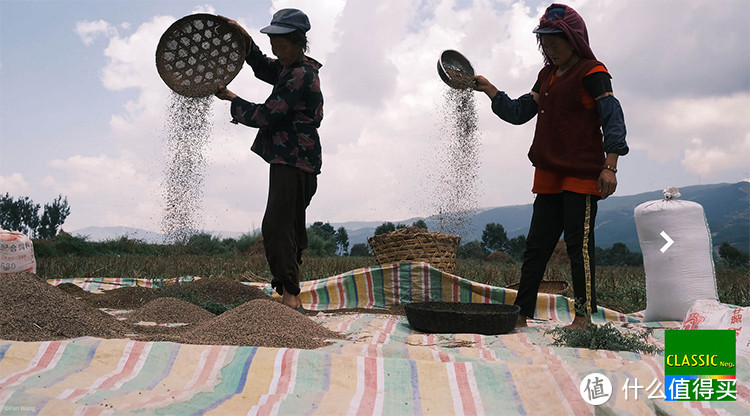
(20,214)
(388,227)
(494,237)
(324,231)
(385,228)
(419,224)
(342,240)
(318,246)
(53,218)
(516,246)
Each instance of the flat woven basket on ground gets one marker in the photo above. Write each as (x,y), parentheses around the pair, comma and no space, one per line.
(416,244)
(457,318)
(555,287)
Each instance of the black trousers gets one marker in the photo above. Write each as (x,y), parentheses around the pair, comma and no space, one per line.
(571,213)
(284,233)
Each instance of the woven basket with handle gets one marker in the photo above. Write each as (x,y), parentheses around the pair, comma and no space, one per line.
(416,244)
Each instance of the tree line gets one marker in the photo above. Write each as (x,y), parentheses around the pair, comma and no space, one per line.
(22,215)
(325,241)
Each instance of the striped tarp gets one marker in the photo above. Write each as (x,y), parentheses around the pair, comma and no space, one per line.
(384,368)
(98,284)
(385,286)
(388,285)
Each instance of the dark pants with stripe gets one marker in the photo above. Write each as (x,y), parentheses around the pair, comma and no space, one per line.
(571,213)
(290,191)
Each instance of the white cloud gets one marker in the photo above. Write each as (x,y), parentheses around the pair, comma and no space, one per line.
(102,189)
(706,158)
(383,98)
(14,184)
(89,30)
(702,129)
(131,59)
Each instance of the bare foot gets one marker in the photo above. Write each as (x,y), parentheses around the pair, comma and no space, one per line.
(579,322)
(521,322)
(292,301)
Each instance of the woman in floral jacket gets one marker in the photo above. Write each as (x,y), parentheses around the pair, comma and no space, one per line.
(287,139)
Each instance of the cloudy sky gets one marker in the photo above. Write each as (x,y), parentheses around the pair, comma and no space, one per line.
(83,110)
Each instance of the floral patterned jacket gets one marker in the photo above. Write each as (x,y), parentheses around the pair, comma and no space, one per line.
(288,120)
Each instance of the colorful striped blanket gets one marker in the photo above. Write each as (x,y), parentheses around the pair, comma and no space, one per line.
(389,285)
(384,368)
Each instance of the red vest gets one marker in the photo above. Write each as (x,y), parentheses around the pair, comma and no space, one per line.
(568,138)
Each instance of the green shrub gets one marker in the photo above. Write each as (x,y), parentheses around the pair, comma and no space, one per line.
(360,250)
(205,244)
(472,250)
(246,241)
(68,245)
(320,247)
(604,337)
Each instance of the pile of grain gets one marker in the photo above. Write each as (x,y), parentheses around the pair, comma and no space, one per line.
(218,289)
(214,289)
(33,310)
(259,322)
(126,297)
(169,310)
(187,132)
(74,290)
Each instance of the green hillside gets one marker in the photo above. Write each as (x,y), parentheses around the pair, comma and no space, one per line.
(727,208)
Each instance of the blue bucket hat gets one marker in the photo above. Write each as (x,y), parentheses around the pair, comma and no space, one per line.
(287,21)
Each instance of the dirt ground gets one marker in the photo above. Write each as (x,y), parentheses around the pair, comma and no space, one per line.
(33,310)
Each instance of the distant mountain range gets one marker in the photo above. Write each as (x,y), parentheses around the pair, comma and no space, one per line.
(727,208)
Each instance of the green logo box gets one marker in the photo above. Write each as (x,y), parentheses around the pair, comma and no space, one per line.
(700,365)
(700,352)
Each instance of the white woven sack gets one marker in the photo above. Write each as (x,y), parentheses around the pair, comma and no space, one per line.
(16,253)
(710,314)
(684,272)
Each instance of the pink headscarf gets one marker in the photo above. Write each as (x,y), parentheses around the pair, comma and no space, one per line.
(559,17)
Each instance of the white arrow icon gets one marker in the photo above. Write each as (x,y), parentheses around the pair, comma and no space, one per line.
(669,242)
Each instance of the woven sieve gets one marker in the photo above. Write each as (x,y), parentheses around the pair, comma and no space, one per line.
(198,53)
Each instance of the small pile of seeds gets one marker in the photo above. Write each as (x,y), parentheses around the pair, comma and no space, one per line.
(215,289)
(33,310)
(127,297)
(259,322)
(169,310)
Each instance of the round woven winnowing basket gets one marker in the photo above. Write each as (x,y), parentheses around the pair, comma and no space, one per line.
(555,287)
(416,244)
(198,53)
(457,318)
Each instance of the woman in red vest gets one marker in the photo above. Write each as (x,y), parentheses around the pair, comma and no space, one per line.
(580,133)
